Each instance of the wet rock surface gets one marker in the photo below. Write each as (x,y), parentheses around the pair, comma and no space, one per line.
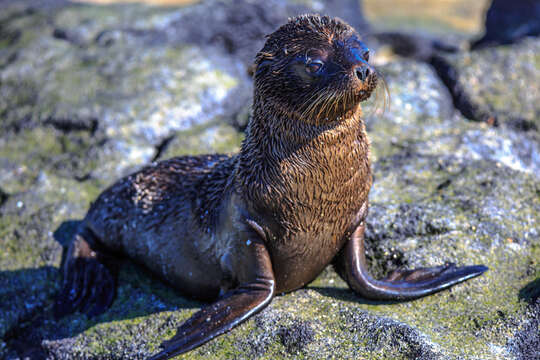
(90,93)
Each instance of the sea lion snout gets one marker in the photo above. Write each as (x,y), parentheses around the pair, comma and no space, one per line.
(365,76)
(362,72)
(365,80)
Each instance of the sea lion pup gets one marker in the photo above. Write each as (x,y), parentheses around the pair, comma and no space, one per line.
(239,229)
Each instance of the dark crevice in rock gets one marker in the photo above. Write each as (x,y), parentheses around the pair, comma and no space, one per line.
(444,184)
(462,101)
(60,34)
(521,124)
(3,197)
(20,13)
(9,36)
(148,37)
(432,230)
(69,36)
(18,341)
(104,38)
(83,177)
(15,127)
(228,42)
(12,36)
(162,146)
(10,59)
(73,124)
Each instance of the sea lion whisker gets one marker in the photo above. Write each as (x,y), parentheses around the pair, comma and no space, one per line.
(381,81)
(317,103)
(307,109)
(314,98)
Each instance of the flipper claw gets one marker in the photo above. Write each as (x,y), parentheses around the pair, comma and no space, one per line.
(88,285)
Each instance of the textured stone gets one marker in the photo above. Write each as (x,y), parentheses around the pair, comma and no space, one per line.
(89,93)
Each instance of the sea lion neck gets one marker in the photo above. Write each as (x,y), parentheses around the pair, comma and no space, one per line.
(279,150)
(273,125)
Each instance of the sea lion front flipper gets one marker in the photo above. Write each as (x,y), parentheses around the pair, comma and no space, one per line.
(89,280)
(233,308)
(400,284)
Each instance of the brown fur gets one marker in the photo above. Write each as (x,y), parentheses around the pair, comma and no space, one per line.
(305,173)
(267,220)
(302,174)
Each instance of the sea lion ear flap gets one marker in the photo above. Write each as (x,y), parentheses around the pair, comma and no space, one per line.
(263,62)
(263,66)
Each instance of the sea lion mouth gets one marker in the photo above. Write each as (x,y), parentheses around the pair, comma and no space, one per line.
(339,101)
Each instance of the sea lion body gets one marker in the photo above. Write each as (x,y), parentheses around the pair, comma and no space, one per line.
(239,229)
(307,228)
(164,218)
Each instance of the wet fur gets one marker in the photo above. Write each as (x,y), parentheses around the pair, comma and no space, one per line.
(242,228)
(307,172)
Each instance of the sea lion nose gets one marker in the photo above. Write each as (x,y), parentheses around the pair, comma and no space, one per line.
(362,72)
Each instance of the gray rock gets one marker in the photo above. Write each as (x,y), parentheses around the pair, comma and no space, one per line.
(89,93)
(126,94)
(504,81)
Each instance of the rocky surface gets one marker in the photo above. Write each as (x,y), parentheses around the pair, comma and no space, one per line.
(89,93)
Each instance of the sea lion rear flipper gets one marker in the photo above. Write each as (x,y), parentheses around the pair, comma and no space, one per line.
(400,284)
(233,308)
(89,280)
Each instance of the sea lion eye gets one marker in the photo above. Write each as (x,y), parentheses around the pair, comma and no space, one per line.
(313,66)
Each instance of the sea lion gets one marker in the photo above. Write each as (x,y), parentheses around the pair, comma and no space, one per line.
(240,229)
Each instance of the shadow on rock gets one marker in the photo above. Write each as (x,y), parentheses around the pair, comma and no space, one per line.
(530,292)
(31,328)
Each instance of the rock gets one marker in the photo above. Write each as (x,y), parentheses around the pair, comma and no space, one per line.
(526,342)
(89,93)
(508,22)
(503,80)
(296,336)
(420,118)
(93,75)
(216,138)
(105,91)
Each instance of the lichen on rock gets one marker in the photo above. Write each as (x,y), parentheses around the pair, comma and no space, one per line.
(90,93)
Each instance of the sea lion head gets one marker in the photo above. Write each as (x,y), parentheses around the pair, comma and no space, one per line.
(314,68)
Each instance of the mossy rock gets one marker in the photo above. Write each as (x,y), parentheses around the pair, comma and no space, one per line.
(110,92)
(503,80)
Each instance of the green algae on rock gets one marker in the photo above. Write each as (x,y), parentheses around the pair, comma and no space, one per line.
(129,99)
(504,80)
(108,92)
